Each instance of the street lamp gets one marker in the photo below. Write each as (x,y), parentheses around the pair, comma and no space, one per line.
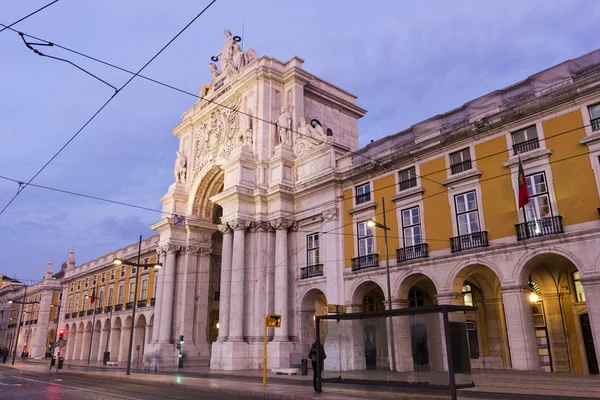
(119,261)
(371,223)
(23,304)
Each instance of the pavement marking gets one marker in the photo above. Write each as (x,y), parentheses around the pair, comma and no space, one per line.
(10,384)
(80,388)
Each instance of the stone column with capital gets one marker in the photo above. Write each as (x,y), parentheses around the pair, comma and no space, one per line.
(236,306)
(38,350)
(591,288)
(520,330)
(402,337)
(262,267)
(188,280)
(225,288)
(202,295)
(281,226)
(160,254)
(495,324)
(166,309)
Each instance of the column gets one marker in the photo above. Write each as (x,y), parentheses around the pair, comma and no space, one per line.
(101,345)
(188,286)
(496,333)
(591,289)
(520,330)
(225,288)
(402,337)
(261,273)
(236,307)
(166,309)
(269,307)
(200,331)
(39,343)
(281,226)
(158,295)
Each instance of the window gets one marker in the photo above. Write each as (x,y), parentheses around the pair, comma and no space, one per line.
(144,293)
(94,281)
(101,297)
(131,296)
(112,275)
(408,178)
(369,304)
(110,296)
(103,279)
(467,216)
(78,285)
(146,262)
(363,193)
(539,203)
(122,271)
(120,295)
(365,239)
(595,116)
(467,291)
(312,246)
(76,303)
(133,270)
(472,336)
(411,227)
(69,304)
(87,281)
(579,293)
(416,298)
(460,161)
(525,140)
(72,286)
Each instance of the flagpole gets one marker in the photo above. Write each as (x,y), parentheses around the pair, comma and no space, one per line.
(92,299)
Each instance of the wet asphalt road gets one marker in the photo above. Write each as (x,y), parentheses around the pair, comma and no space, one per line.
(22,385)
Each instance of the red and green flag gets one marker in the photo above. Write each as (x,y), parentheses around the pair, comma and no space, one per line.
(523,191)
(93,296)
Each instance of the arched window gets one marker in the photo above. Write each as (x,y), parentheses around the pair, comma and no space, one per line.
(416,298)
(467,291)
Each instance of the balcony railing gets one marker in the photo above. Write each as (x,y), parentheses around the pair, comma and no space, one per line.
(67,316)
(142,303)
(118,307)
(82,313)
(311,271)
(540,227)
(74,314)
(595,124)
(129,306)
(526,146)
(407,184)
(108,309)
(99,310)
(412,252)
(153,301)
(469,241)
(362,262)
(217,295)
(461,167)
(90,311)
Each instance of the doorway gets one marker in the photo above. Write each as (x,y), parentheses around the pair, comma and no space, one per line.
(588,344)
(420,352)
(370,347)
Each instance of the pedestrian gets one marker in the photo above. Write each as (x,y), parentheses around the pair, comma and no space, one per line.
(317,361)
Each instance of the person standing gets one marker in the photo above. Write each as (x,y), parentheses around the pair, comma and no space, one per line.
(317,361)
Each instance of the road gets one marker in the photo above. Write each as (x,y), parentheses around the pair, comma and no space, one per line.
(25,385)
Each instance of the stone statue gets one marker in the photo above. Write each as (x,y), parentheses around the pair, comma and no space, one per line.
(227,52)
(317,132)
(215,72)
(180,168)
(284,127)
(246,135)
(250,56)
(238,60)
(303,130)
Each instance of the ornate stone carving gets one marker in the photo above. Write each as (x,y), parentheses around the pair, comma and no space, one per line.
(239,224)
(225,229)
(284,127)
(308,137)
(170,248)
(180,168)
(331,214)
(282,223)
(192,249)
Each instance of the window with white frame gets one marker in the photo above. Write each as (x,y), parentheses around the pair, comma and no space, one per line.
(525,140)
(131,296)
(144,293)
(467,292)
(112,275)
(363,193)
(312,249)
(110,296)
(103,279)
(365,239)
(101,297)
(539,200)
(120,295)
(94,281)
(87,281)
(467,215)
(595,116)
(122,271)
(72,286)
(76,303)
(69,304)
(78,285)
(408,178)
(146,262)
(460,161)
(133,270)
(411,226)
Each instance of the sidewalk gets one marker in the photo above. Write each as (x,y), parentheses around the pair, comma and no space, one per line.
(489,384)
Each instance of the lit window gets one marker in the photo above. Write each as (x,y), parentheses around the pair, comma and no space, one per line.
(363,193)
(411,227)
(408,178)
(466,213)
(460,161)
(539,204)
(312,252)
(467,295)
(525,140)
(579,293)
(365,239)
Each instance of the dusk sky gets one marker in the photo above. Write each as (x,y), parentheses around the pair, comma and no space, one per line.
(406,61)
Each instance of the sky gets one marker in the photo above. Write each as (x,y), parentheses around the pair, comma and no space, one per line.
(405,60)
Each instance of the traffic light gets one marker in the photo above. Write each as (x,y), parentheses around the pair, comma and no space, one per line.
(137,347)
(61,334)
(181,339)
(178,347)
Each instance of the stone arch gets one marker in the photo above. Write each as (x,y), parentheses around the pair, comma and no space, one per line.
(354,296)
(485,276)
(397,285)
(423,281)
(139,336)
(526,262)
(457,275)
(115,339)
(209,183)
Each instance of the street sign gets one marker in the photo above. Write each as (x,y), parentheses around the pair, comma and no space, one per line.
(274,320)
(336,309)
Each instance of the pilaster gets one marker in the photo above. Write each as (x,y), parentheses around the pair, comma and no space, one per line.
(225,289)
(520,330)
(236,313)
(281,226)
(591,287)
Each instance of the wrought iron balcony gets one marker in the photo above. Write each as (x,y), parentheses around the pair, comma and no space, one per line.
(362,262)
(153,301)
(129,306)
(99,310)
(461,167)
(82,313)
(90,311)
(540,227)
(217,295)
(407,184)
(412,252)
(67,316)
(469,241)
(595,124)
(526,146)
(74,314)
(118,307)
(108,309)
(311,271)
(141,303)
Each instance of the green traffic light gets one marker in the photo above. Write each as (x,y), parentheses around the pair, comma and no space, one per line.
(179,355)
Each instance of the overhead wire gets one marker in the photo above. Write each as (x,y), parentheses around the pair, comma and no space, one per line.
(27,16)
(105,104)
